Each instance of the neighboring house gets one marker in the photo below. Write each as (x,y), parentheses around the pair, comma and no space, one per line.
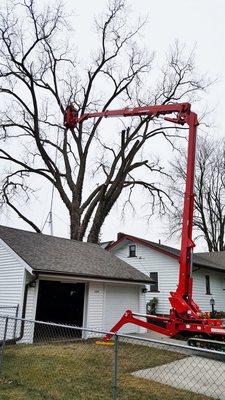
(66,281)
(161,263)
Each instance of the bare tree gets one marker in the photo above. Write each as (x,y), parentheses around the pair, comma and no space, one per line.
(209,216)
(39,76)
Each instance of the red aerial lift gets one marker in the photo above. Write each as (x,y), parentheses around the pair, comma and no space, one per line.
(185,316)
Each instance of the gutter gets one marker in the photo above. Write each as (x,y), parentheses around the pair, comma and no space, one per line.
(92,277)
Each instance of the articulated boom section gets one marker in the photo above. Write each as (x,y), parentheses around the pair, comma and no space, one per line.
(71,118)
(171,326)
(185,315)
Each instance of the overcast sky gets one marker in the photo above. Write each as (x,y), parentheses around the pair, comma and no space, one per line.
(200,24)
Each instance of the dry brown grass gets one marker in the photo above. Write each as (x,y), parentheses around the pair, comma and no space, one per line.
(83,371)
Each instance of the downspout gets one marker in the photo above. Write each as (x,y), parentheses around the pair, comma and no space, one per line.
(27,286)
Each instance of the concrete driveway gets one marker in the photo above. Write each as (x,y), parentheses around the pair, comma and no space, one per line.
(193,373)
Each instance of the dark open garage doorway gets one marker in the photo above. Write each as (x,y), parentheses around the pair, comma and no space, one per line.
(61,303)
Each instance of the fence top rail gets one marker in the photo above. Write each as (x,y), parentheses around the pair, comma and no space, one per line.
(73,327)
(171,344)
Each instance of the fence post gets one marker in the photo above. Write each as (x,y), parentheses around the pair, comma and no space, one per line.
(3,344)
(115,367)
(15,321)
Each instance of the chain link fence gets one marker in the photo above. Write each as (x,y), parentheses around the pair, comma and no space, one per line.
(49,361)
(162,370)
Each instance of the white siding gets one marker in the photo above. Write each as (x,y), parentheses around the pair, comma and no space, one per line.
(142,308)
(217,286)
(106,304)
(31,300)
(118,299)
(95,304)
(149,260)
(11,279)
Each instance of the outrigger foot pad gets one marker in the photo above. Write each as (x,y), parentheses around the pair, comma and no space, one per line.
(101,342)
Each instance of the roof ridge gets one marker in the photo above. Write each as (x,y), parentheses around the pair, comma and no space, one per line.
(66,256)
(46,235)
(149,241)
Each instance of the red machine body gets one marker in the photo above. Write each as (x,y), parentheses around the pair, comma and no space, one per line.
(185,314)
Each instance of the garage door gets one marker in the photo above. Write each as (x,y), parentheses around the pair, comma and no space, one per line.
(118,300)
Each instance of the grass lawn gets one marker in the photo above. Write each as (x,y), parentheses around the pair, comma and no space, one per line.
(83,371)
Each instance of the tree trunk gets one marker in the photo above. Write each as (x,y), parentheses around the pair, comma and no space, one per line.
(75,221)
(99,219)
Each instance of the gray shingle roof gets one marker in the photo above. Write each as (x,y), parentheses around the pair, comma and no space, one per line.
(49,254)
(215,260)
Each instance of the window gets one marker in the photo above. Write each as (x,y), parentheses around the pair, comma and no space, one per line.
(154,287)
(132,250)
(207,284)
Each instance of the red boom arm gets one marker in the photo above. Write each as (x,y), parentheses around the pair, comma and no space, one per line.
(71,118)
(185,313)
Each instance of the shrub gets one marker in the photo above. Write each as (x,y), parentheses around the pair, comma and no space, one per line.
(152,305)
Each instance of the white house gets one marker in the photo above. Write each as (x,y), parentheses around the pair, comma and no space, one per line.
(60,280)
(161,263)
